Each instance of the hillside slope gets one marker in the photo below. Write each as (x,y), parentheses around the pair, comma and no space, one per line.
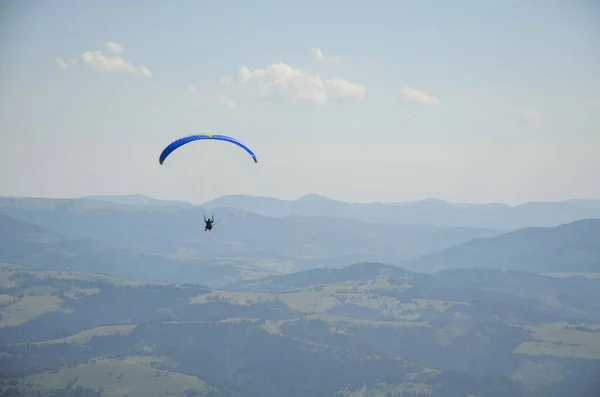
(572,247)
(26,244)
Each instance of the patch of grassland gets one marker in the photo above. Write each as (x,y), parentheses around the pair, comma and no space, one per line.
(384,390)
(416,388)
(6,299)
(237,320)
(361,287)
(316,300)
(273,326)
(84,337)
(29,307)
(132,376)
(7,270)
(338,324)
(78,293)
(555,339)
(339,320)
(235,298)
(37,290)
(307,302)
(73,275)
(408,311)
(384,302)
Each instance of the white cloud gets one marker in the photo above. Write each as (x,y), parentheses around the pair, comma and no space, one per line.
(415,96)
(155,109)
(102,63)
(62,64)
(144,71)
(226,82)
(243,75)
(338,89)
(317,55)
(529,116)
(283,83)
(595,104)
(114,48)
(193,90)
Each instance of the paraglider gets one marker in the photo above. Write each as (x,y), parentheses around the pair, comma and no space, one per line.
(209,222)
(182,141)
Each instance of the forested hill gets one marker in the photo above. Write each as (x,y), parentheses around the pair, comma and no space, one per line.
(367,328)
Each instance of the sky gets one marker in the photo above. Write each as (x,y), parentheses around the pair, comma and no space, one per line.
(468,101)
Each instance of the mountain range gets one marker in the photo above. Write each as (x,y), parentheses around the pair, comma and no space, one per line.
(431,212)
(166,241)
(288,243)
(113,296)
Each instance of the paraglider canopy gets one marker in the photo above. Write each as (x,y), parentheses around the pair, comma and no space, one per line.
(210,222)
(190,138)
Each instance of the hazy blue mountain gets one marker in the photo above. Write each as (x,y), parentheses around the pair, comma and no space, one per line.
(300,242)
(426,212)
(416,236)
(25,244)
(141,200)
(572,247)
(595,204)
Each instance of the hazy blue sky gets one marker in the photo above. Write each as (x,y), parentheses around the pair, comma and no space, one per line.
(375,100)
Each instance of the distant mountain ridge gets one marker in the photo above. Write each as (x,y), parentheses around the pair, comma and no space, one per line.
(433,212)
(280,244)
(141,200)
(303,242)
(571,247)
